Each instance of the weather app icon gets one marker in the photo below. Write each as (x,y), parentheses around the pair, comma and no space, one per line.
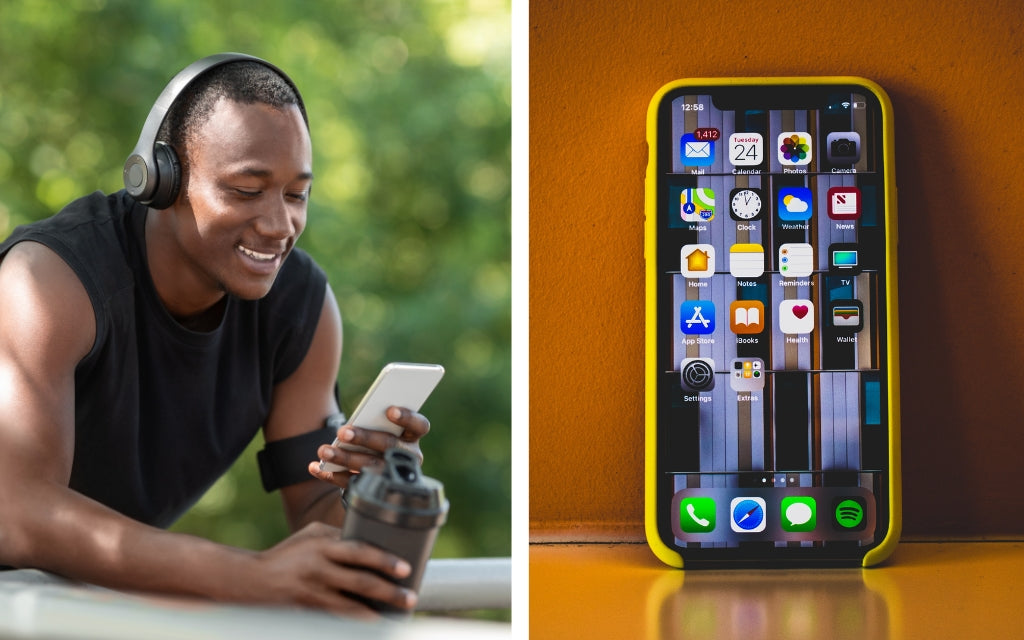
(795,204)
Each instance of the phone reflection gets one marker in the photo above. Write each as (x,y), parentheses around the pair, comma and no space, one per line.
(834,604)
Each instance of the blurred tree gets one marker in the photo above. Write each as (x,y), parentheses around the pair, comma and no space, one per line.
(409,107)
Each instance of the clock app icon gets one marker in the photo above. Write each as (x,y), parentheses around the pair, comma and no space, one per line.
(745,203)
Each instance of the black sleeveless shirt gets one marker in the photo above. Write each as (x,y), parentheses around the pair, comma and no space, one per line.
(161,411)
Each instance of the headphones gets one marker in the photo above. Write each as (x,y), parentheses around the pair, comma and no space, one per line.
(152,173)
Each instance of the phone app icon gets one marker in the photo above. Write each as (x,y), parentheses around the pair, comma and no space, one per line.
(844,203)
(847,315)
(696,153)
(796,259)
(746,260)
(747,514)
(746,149)
(697,260)
(746,316)
(794,148)
(697,515)
(795,204)
(849,513)
(796,316)
(843,147)
(697,204)
(697,374)
(844,258)
(799,513)
(747,374)
(697,317)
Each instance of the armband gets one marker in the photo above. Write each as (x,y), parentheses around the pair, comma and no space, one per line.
(286,462)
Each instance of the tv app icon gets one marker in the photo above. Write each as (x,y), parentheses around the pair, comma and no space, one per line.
(697,515)
(747,514)
(844,258)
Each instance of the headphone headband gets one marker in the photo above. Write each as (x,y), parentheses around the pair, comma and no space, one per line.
(151,173)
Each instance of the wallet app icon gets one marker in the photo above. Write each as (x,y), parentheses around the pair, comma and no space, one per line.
(696,153)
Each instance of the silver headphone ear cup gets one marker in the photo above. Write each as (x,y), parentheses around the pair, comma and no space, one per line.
(168,176)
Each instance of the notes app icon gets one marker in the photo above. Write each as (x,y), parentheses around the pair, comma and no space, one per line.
(746,260)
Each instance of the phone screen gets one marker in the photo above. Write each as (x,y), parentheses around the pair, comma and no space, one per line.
(771,323)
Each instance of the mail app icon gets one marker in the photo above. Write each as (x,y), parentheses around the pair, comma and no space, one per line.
(696,153)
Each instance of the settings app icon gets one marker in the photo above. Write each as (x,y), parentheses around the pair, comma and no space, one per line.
(697,374)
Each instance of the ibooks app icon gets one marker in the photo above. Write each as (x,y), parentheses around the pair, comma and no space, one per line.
(746,316)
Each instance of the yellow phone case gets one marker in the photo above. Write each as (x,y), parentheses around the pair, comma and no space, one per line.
(888,544)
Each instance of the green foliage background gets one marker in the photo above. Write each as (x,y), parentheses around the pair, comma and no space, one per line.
(409,109)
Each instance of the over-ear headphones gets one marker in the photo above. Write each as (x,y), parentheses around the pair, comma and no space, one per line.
(152,173)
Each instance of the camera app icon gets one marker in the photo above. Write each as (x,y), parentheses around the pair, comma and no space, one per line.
(843,147)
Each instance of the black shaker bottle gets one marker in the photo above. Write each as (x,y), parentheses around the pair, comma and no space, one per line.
(396,508)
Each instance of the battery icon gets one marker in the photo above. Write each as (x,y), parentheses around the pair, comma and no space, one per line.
(859,105)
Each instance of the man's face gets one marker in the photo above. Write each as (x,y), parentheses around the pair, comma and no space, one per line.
(244,203)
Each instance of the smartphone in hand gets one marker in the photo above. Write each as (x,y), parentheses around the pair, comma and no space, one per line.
(399,384)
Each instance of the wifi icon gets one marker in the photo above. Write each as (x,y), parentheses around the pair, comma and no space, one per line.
(849,513)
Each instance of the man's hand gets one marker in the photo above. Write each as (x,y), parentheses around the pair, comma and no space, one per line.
(315,568)
(414,426)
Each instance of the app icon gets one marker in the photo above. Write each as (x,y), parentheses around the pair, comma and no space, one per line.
(747,374)
(697,317)
(746,260)
(844,203)
(847,315)
(848,513)
(697,204)
(697,374)
(799,513)
(796,316)
(697,515)
(745,204)
(796,259)
(697,261)
(747,514)
(746,316)
(795,204)
(794,148)
(844,257)
(843,147)
(746,149)
(696,153)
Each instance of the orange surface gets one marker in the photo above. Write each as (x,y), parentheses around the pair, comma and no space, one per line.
(955,74)
(929,590)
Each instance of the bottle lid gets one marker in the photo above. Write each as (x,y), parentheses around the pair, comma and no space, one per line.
(398,493)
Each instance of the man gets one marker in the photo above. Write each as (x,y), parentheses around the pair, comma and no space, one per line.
(141,349)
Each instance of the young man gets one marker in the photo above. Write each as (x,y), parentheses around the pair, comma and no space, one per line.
(141,349)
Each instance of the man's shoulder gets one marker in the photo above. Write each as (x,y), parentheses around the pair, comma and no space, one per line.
(89,235)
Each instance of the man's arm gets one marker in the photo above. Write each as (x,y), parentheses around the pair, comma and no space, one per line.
(46,328)
(302,402)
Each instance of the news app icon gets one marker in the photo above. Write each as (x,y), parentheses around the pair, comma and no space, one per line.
(844,203)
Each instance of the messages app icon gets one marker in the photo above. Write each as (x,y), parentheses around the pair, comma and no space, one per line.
(799,513)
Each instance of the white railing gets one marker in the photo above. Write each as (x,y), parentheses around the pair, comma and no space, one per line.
(34,604)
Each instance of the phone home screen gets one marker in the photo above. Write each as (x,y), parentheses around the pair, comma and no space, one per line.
(773,433)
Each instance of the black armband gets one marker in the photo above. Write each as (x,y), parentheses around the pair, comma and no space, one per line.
(286,462)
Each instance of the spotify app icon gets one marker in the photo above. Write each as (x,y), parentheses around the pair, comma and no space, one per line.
(849,513)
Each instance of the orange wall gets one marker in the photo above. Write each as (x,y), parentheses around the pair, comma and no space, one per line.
(955,74)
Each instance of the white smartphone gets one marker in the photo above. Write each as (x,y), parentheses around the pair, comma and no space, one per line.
(399,384)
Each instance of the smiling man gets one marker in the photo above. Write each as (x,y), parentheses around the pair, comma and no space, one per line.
(141,349)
